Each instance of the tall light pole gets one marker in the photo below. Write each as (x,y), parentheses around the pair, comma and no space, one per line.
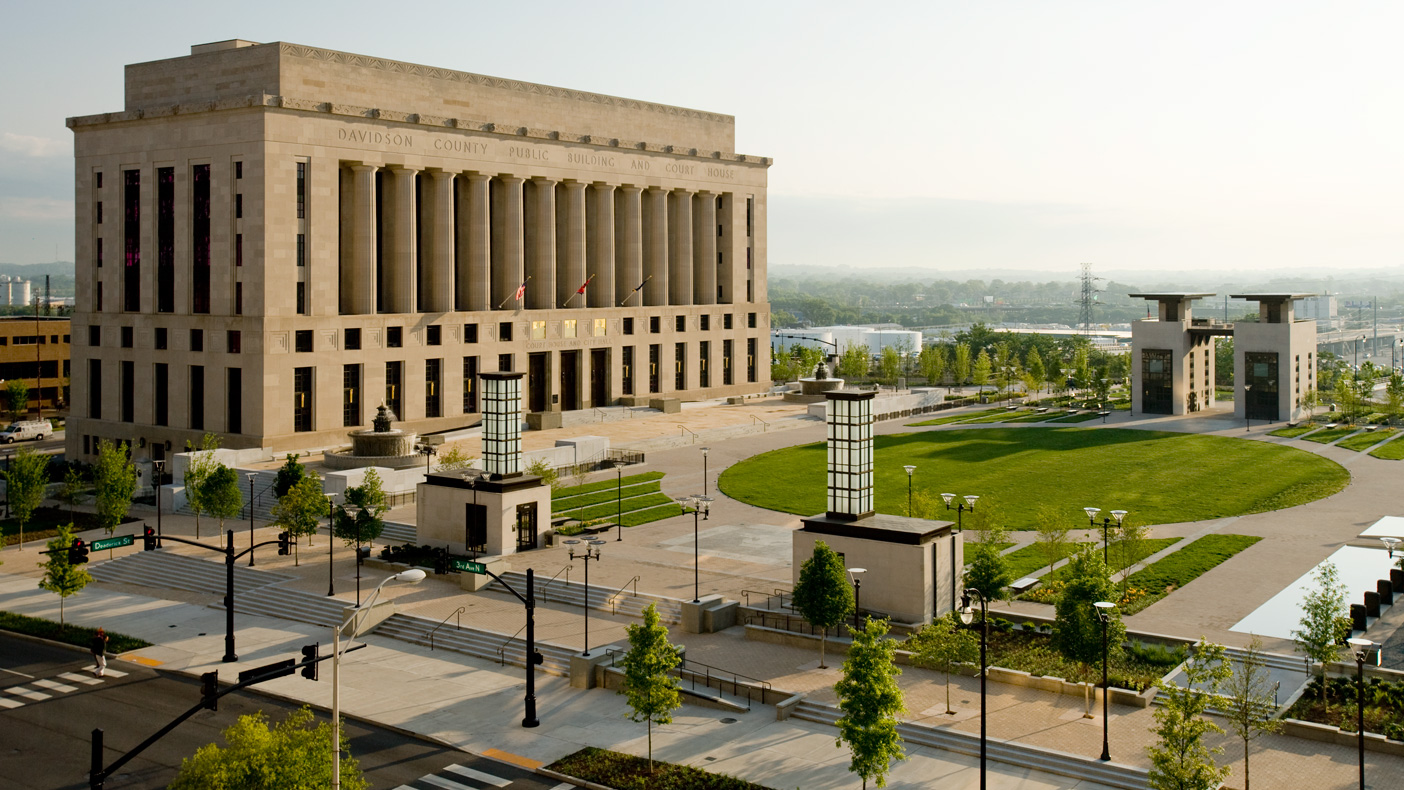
(910,469)
(251,476)
(352,618)
(587,556)
(1092,512)
(967,614)
(856,575)
(428,452)
(1247,405)
(331,538)
(967,503)
(1363,650)
(1104,610)
(704,469)
(618,500)
(160,468)
(700,503)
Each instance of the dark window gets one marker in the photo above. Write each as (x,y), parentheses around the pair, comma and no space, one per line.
(234,341)
(470,385)
(127,385)
(239,298)
(165,239)
(127,334)
(86,444)
(750,293)
(302,249)
(653,383)
(302,341)
(750,213)
(628,370)
(353,341)
(238,207)
(238,249)
(94,335)
(706,322)
(433,377)
(394,379)
(131,233)
(301,192)
(750,359)
(655,325)
(470,333)
(99,212)
(704,375)
(628,326)
(99,253)
(302,400)
(301,299)
(726,320)
(99,179)
(727,350)
(504,332)
(680,366)
(234,401)
(163,380)
(1157,391)
(434,335)
(200,281)
(238,170)
(197,397)
(680,323)
(750,320)
(161,338)
(504,362)
(197,340)
(1260,369)
(95,389)
(350,395)
(394,337)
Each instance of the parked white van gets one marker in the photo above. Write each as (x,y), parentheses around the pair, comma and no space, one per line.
(38,430)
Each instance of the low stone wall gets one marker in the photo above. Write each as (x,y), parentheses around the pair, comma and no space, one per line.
(1328,734)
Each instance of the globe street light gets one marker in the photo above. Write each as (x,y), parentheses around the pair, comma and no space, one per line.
(967,614)
(910,469)
(1104,613)
(251,476)
(968,503)
(856,574)
(1390,543)
(704,469)
(699,503)
(331,538)
(353,618)
(1092,512)
(587,556)
(160,468)
(1364,651)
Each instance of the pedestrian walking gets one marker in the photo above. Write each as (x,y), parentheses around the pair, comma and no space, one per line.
(99,648)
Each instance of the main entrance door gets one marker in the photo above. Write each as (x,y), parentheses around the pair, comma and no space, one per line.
(570,380)
(526,526)
(599,377)
(536,382)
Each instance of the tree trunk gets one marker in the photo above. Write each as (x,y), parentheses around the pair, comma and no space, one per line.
(650,746)
(823,635)
(61,624)
(297,558)
(1246,747)
(949,712)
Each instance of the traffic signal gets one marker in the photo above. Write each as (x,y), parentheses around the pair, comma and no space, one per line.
(148,539)
(309,653)
(209,690)
(537,658)
(284,544)
(77,552)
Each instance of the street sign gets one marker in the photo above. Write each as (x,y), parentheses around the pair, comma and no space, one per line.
(470,566)
(112,543)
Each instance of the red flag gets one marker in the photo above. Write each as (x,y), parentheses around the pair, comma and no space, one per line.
(521,291)
(581,289)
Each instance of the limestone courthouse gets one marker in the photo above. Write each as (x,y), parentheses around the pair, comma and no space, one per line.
(274,239)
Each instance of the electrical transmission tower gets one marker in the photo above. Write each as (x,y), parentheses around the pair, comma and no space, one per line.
(1089,298)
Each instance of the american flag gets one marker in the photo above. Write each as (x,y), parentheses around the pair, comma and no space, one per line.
(581,289)
(521,291)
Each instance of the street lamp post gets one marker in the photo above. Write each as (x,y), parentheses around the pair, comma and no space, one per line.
(1104,614)
(704,469)
(251,476)
(1390,543)
(331,538)
(160,468)
(1247,405)
(700,503)
(411,576)
(428,452)
(618,500)
(967,614)
(967,503)
(587,556)
(910,469)
(856,574)
(1092,512)
(1364,651)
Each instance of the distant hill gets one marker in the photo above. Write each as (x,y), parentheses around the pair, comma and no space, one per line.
(61,281)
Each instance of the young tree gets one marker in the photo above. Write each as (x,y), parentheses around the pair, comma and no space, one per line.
(60,577)
(961,366)
(26,483)
(538,467)
(1394,392)
(288,474)
(202,463)
(114,484)
(1179,759)
(1053,532)
(455,458)
(988,571)
(1053,366)
(980,376)
(221,494)
(1319,637)
(782,367)
(1033,363)
(823,595)
(651,690)
(941,645)
(933,363)
(293,753)
(1309,401)
(17,398)
(74,490)
(854,361)
(1128,548)
(871,701)
(358,520)
(300,510)
(889,364)
(1248,701)
(1077,630)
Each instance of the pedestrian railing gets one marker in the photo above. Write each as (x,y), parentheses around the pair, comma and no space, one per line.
(458,624)
(739,686)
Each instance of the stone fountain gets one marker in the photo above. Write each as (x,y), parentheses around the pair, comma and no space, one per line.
(813,388)
(382,445)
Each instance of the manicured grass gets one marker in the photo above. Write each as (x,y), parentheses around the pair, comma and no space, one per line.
(1003,415)
(1329,435)
(1032,558)
(1183,567)
(626,772)
(610,508)
(1091,415)
(1036,654)
(46,521)
(608,495)
(1048,415)
(950,418)
(570,491)
(1366,440)
(1292,433)
(1024,468)
(69,634)
(1394,451)
(1149,547)
(652,514)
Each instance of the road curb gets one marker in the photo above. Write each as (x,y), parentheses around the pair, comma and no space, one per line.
(39,640)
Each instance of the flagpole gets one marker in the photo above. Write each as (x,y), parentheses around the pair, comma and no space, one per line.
(521,289)
(623,301)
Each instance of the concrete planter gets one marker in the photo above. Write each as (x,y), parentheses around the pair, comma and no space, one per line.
(1328,734)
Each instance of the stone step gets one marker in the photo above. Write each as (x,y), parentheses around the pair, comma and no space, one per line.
(572,419)
(624,602)
(164,569)
(397,533)
(478,643)
(292,605)
(1024,756)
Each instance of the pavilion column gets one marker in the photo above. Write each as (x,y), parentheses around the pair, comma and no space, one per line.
(601,265)
(656,247)
(680,247)
(362,300)
(437,294)
(628,249)
(541,227)
(572,253)
(473,273)
(704,240)
(400,277)
(507,244)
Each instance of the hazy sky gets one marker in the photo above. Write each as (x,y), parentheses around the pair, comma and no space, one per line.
(957,135)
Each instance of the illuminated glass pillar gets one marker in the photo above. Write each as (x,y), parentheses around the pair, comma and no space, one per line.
(850,468)
(502,423)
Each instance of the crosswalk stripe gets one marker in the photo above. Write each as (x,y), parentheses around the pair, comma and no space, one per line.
(74,677)
(446,784)
(55,686)
(6,702)
(21,691)
(116,673)
(495,781)
(564,786)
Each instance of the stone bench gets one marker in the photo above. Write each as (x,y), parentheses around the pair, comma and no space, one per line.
(1023,585)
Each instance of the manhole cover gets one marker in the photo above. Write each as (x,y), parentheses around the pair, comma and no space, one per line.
(728,720)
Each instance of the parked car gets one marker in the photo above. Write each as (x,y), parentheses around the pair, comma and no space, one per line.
(38,430)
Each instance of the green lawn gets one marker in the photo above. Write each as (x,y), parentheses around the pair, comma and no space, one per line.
(950,418)
(570,491)
(627,772)
(1294,432)
(1091,415)
(1024,468)
(1002,415)
(1330,435)
(1182,567)
(1394,451)
(610,508)
(1032,558)
(608,495)
(1115,564)
(1044,417)
(1366,440)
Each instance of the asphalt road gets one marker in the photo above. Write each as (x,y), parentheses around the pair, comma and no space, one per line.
(50,702)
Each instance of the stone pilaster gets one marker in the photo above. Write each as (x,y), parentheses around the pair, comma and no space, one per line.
(628,249)
(655,260)
(572,253)
(362,294)
(704,245)
(601,258)
(680,247)
(507,261)
(400,252)
(473,279)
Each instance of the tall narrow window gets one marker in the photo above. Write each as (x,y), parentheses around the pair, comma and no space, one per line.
(727,351)
(131,234)
(238,170)
(165,240)
(350,395)
(98,212)
(234,401)
(99,253)
(654,385)
(302,249)
(200,277)
(95,389)
(750,359)
(301,299)
(197,397)
(239,298)
(433,377)
(680,366)
(628,370)
(238,249)
(394,379)
(470,385)
(704,375)
(238,206)
(161,383)
(302,400)
(301,191)
(127,383)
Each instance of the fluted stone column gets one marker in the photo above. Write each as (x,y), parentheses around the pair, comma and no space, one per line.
(628,249)
(436,296)
(541,228)
(507,260)
(473,276)
(363,255)
(704,244)
(680,247)
(572,253)
(400,253)
(601,264)
(656,247)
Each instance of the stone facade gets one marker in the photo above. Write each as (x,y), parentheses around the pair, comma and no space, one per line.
(300,234)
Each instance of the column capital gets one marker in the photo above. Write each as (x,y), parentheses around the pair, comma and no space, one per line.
(478,178)
(361,167)
(402,170)
(683,191)
(603,185)
(573,184)
(543,181)
(630,188)
(704,192)
(509,179)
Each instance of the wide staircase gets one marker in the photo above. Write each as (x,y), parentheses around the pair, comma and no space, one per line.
(1010,752)
(182,572)
(292,605)
(626,601)
(571,419)
(487,645)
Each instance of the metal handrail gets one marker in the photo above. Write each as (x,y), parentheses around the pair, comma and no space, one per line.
(689,430)
(755,419)
(458,624)
(768,595)
(601,413)
(502,648)
(614,599)
(692,671)
(784,621)
(545,584)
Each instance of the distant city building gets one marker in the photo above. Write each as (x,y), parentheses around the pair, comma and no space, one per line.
(37,351)
(1322,309)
